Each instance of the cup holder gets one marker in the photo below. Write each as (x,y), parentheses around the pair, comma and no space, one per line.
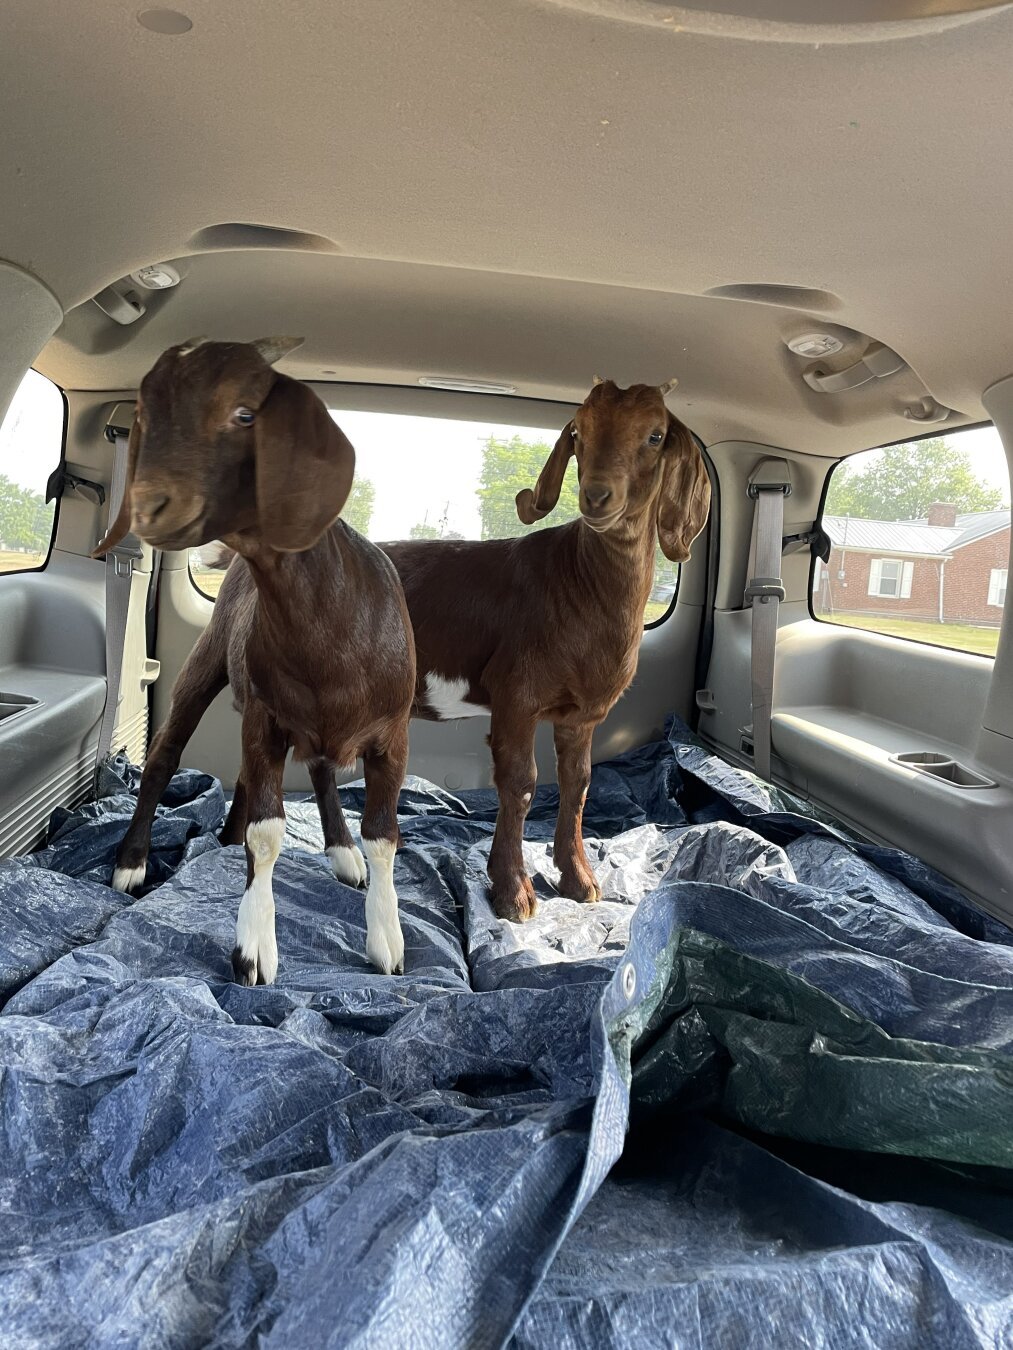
(941,767)
(12,704)
(918,759)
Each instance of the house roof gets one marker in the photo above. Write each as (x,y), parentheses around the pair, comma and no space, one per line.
(977,524)
(913,538)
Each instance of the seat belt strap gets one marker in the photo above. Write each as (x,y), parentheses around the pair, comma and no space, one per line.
(119,576)
(768,488)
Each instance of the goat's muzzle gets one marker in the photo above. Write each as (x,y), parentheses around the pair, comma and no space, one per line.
(168,524)
(599,505)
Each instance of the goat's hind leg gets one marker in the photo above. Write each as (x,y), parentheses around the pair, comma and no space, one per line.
(255,955)
(573,769)
(203,677)
(512,740)
(385,771)
(234,829)
(347,862)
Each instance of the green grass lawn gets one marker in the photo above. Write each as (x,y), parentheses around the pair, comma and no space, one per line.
(961,636)
(207,580)
(20,562)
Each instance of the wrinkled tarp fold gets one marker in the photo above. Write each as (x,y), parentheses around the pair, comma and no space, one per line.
(760,1095)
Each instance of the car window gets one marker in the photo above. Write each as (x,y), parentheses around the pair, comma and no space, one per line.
(438,478)
(920,537)
(31,447)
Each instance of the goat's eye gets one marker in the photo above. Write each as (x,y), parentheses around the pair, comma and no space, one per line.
(244,416)
(655,438)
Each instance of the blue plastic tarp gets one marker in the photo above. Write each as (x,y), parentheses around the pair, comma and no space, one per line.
(760,1095)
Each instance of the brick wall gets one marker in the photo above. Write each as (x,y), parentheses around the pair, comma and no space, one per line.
(967,577)
(852,594)
(965,589)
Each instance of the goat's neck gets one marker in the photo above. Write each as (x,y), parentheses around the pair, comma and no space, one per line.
(293,587)
(617,567)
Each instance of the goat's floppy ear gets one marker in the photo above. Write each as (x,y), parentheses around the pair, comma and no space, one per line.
(120,527)
(685,493)
(532,506)
(304,470)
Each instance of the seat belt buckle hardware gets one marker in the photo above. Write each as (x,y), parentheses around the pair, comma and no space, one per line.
(764,589)
(124,559)
(754,489)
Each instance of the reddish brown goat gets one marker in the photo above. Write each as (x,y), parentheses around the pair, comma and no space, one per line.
(547,627)
(310,629)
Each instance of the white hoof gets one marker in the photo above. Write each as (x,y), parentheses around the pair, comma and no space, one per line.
(127,879)
(385,949)
(347,864)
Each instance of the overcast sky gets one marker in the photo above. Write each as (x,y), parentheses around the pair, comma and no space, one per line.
(420,467)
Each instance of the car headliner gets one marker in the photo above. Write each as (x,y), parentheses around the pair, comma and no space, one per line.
(527,191)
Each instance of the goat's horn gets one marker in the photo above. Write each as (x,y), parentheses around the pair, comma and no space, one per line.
(274,348)
(185,348)
(669,385)
(598,380)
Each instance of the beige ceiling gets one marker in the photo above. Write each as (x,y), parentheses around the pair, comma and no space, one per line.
(523,191)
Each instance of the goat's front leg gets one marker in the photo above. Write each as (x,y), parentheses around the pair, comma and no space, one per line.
(201,679)
(385,771)
(512,740)
(573,771)
(255,955)
(347,862)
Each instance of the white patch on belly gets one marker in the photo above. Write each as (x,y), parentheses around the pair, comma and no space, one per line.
(447,698)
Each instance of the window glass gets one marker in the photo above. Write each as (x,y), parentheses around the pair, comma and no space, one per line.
(920,537)
(31,447)
(437,478)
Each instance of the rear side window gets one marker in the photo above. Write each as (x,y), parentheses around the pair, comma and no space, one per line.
(438,478)
(920,536)
(31,447)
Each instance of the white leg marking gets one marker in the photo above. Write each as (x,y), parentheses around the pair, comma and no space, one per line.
(447,698)
(347,864)
(384,940)
(126,878)
(255,936)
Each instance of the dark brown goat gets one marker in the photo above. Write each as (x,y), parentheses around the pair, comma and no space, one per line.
(310,629)
(547,627)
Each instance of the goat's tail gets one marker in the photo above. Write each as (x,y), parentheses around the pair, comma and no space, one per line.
(215,556)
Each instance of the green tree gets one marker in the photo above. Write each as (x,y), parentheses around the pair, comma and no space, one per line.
(904,480)
(358,510)
(25,519)
(423,530)
(507,467)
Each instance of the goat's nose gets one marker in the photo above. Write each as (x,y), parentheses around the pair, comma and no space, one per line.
(596,495)
(147,505)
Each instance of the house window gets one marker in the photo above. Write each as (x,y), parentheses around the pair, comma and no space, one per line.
(938,507)
(997,586)
(890,578)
